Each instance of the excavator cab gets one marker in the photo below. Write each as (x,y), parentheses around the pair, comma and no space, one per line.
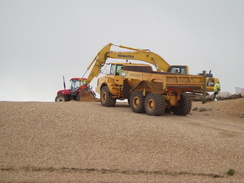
(178,69)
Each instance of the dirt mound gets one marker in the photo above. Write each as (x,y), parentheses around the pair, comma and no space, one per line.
(87,96)
(86,142)
(227,109)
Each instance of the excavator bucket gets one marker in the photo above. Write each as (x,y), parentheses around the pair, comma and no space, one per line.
(87,95)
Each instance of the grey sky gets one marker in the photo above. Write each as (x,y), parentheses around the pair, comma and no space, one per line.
(40,41)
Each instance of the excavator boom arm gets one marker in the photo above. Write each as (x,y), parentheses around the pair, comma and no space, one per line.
(148,57)
(98,62)
(138,54)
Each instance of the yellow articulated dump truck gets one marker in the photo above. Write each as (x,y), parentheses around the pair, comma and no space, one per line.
(147,91)
(153,92)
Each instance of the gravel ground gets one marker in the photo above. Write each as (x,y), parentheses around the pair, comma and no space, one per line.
(85,142)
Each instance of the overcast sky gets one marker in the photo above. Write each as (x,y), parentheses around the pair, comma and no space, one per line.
(43,40)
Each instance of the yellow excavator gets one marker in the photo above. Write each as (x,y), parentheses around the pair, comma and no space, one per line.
(142,55)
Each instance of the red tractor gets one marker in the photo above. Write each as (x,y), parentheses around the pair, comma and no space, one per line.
(78,88)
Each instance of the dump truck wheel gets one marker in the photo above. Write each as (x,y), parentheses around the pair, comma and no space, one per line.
(155,104)
(184,107)
(128,100)
(167,110)
(61,98)
(106,99)
(137,102)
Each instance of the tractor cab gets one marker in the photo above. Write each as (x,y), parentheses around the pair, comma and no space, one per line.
(76,83)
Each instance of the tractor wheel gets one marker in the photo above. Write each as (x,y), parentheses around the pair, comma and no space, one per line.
(78,98)
(61,98)
(184,107)
(137,102)
(105,98)
(155,104)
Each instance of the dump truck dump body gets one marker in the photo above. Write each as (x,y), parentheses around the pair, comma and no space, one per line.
(160,81)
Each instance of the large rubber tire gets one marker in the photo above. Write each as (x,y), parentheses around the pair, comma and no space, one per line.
(184,107)
(137,102)
(167,110)
(61,98)
(155,104)
(105,98)
(78,98)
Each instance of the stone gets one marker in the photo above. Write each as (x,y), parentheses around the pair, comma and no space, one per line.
(204,109)
(201,109)
(210,97)
(237,95)
(224,96)
(242,94)
(195,109)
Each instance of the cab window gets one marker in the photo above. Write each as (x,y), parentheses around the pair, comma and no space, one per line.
(118,69)
(183,70)
(179,69)
(82,83)
(175,70)
(75,84)
(112,69)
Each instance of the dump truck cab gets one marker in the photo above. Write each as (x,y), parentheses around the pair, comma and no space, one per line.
(115,81)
